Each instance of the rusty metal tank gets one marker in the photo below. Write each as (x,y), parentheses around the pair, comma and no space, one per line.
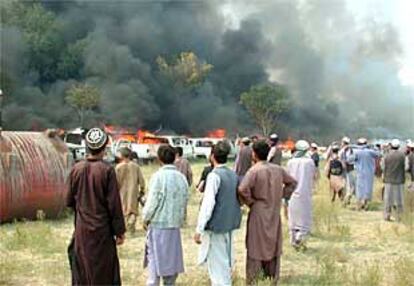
(33,170)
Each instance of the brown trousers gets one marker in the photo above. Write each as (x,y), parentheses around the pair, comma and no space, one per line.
(256,269)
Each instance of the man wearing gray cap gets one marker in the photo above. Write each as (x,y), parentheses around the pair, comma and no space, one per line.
(394,180)
(99,221)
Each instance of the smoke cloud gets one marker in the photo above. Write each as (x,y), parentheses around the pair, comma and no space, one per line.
(342,76)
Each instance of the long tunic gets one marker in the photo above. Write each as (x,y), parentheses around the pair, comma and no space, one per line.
(300,204)
(94,195)
(244,161)
(184,167)
(365,168)
(131,183)
(262,189)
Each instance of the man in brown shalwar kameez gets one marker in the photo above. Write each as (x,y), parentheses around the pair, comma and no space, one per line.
(131,187)
(262,189)
(99,222)
(244,159)
(183,166)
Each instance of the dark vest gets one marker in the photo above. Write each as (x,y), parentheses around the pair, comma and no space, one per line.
(411,165)
(277,157)
(227,213)
(394,168)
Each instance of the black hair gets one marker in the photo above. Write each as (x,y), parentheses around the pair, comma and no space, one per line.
(166,154)
(179,151)
(221,151)
(246,142)
(261,149)
(133,156)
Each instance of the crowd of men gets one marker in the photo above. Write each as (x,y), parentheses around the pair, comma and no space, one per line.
(106,199)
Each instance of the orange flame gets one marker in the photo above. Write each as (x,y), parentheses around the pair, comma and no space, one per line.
(218,133)
(289,144)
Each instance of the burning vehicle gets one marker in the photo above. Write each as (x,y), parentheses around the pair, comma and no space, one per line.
(202,146)
(180,141)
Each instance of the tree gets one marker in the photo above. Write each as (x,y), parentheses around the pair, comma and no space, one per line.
(41,32)
(83,98)
(186,70)
(266,103)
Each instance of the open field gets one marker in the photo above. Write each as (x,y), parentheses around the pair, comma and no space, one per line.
(346,248)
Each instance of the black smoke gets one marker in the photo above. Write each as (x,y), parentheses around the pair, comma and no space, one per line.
(342,78)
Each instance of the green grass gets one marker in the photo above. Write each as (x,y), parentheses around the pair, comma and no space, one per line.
(347,248)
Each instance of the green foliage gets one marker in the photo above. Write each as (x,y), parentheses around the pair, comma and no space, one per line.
(265,104)
(41,32)
(71,61)
(186,70)
(83,97)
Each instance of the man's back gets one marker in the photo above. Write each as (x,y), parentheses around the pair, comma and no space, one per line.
(365,160)
(184,167)
(167,198)
(303,170)
(394,167)
(244,161)
(90,182)
(131,181)
(267,184)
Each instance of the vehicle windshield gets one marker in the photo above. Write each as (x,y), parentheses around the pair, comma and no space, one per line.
(74,139)
(179,141)
(204,144)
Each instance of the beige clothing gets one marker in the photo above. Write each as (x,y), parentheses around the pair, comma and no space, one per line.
(184,167)
(131,186)
(262,189)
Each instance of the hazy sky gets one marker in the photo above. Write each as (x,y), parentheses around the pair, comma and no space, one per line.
(400,14)
(397,12)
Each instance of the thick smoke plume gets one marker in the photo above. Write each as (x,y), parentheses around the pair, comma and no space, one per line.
(343,77)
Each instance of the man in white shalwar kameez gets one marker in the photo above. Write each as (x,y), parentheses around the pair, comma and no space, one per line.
(219,217)
(302,168)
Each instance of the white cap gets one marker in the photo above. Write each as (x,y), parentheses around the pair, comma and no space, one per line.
(362,141)
(96,138)
(314,145)
(302,145)
(274,136)
(395,143)
(245,140)
(410,144)
(346,140)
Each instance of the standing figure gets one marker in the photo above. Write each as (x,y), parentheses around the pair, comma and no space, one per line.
(219,217)
(99,221)
(365,168)
(203,178)
(275,153)
(262,190)
(346,155)
(244,159)
(131,187)
(410,164)
(183,166)
(302,168)
(163,216)
(394,180)
(335,170)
